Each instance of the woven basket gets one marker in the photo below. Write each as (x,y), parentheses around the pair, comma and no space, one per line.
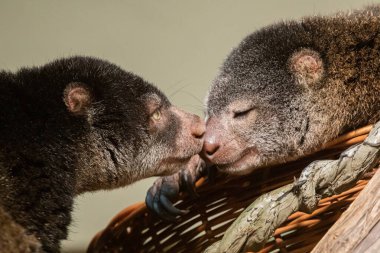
(135,229)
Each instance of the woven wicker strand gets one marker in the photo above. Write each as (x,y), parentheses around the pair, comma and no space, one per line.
(135,229)
(321,178)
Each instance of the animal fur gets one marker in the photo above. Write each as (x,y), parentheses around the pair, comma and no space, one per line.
(75,125)
(288,88)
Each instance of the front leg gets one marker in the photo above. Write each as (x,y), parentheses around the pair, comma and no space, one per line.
(40,198)
(14,238)
(165,189)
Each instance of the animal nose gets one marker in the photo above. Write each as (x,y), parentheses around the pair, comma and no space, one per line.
(212,140)
(198,128)
(210,147)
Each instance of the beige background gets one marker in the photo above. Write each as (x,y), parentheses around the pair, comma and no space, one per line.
(178,45)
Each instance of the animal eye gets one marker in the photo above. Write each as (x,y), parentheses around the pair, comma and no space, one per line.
(156,115)
(243,113)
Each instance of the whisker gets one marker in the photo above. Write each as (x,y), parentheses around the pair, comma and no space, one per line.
(171,95)
(193,96)
(175,84)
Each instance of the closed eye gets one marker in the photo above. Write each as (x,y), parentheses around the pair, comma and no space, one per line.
(243,113)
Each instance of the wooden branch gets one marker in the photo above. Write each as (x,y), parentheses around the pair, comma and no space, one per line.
(358,229)
(321,178)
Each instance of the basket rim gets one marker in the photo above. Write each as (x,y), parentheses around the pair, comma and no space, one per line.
(128,213)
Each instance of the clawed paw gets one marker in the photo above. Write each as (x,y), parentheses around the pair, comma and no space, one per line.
(165,190)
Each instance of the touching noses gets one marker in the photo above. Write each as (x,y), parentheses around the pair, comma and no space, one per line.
(211,141)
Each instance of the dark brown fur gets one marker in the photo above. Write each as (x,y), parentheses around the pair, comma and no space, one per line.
(14,238)
(75,125)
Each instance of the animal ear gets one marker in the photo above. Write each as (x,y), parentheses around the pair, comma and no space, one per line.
(307,66)
(77,97)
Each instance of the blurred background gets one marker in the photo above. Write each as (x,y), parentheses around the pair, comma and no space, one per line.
(177,45)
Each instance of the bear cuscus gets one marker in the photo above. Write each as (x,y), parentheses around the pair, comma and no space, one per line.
(75,125)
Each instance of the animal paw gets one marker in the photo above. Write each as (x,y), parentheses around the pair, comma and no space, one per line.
(165,190)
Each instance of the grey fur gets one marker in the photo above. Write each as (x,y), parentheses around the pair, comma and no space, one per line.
(287,118)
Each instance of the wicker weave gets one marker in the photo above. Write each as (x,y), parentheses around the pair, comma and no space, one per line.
(136,230)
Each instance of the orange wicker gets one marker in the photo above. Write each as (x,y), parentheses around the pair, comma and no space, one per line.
(135,229)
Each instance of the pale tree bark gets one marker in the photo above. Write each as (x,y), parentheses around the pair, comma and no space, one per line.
(358,229)
(320,179)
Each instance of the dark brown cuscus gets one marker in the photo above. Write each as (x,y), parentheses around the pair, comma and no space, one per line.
(80,124)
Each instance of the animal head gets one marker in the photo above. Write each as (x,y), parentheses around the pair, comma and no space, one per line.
(130,128)
(289,88)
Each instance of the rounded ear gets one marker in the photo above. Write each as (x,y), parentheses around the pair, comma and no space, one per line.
(307,66)
(77,98)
